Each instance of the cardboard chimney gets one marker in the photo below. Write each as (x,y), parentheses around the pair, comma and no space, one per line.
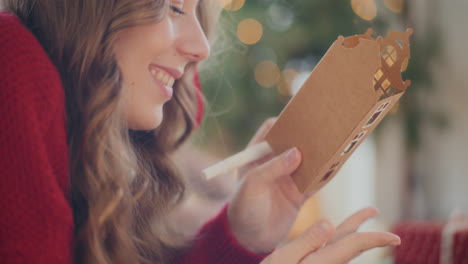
(352,88)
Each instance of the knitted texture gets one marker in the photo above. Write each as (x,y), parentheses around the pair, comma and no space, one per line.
(421,243)
(223,248)
(36,222)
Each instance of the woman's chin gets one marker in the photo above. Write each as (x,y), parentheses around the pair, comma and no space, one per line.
(151,125)
(148,123)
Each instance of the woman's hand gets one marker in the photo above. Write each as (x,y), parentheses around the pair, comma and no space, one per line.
(268,201)
(322,244)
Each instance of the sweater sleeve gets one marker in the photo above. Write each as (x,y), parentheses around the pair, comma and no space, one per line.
(36,223)
(216,244)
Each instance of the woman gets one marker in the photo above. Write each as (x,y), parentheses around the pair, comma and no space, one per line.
(95,96)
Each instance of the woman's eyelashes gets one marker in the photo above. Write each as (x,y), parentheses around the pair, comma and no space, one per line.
(176,10)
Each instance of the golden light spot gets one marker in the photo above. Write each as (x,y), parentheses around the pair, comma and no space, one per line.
(231,5)
(309,214)
(389,61)
(404,65)
(378,74)
(365,9)
(286,80)
(385,84)
(267,74)
(395,108)
(249,31)
(395,5)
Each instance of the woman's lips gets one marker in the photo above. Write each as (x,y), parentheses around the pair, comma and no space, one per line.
(167,90)
(163,79)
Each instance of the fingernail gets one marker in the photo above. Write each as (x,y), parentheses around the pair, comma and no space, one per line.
(324,226)
(395,242)
(377,211)
(291,156)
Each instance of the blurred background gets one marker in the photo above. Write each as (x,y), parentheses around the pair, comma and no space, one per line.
(414,166)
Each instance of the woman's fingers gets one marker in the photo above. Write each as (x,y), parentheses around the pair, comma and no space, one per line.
(311,240)
(281,165)
(351,246)
(352,223)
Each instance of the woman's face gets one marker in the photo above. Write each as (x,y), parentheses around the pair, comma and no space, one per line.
(151,57)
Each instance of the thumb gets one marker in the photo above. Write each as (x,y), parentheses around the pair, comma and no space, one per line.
(309,241)
(283,164)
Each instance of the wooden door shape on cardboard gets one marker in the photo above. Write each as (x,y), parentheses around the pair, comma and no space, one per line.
(346,96)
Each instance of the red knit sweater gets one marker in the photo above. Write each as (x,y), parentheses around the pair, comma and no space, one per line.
(36,223)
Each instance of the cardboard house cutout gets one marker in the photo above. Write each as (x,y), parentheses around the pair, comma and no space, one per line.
(352,88)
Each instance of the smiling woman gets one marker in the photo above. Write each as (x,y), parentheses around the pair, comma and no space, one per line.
(120,64)
(95,97)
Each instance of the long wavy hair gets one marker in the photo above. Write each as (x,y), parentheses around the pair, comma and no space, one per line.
(123,182)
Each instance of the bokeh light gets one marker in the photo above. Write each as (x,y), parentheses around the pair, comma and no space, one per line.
(395,5)
(267,74)
(286,81)
(299,81)
(249,31)
(404,65)
(231,5)
(365,9)
(279,17)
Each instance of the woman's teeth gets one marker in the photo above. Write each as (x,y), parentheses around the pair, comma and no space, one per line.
(163,77)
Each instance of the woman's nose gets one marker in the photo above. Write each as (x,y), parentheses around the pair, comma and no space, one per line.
(194,45)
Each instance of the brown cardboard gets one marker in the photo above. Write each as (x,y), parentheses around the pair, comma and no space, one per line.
(357,80)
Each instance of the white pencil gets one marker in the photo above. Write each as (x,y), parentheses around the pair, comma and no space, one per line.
(238,160)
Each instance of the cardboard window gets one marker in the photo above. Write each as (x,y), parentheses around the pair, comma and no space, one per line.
(374,117)
(360,135)
(377,113)
(385,84)
(378,75)
(390,55)
(384,106)
(334,166)
(391,91)
(327,175)
(400,43)
(354,142)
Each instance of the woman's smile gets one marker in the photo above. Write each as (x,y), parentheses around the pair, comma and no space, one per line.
(153,56)
(163,79)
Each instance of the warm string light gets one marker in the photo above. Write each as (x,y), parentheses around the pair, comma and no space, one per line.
(267,74)
(365,9)
(396,6)
(231,5)
(285,83)
(249,31)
